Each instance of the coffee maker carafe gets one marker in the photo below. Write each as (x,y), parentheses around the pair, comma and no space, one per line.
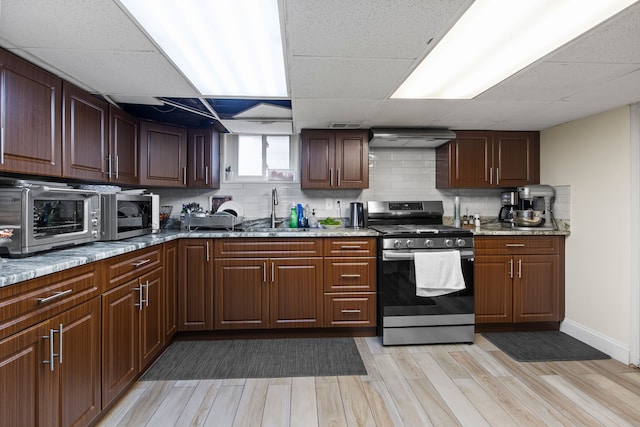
(510,202)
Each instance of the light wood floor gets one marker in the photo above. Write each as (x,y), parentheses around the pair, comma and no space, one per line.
(444,385)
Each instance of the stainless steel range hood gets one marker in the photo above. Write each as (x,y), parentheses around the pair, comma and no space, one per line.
(409,137)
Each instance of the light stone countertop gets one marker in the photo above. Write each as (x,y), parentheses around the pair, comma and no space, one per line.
(21,269)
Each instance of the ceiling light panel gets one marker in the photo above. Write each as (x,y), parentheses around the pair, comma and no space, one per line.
(225,48)
(495,39)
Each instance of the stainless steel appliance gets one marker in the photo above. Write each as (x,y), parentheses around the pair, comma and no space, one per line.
(510,202)
(356,215)
(39,216)
(406,229)
(538,198)
(126,215)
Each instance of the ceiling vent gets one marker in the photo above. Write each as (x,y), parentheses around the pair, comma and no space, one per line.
(409,137)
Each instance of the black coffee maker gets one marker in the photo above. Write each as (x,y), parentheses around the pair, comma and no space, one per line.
(510,202)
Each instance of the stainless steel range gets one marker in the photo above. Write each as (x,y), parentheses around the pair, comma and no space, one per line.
(425,274)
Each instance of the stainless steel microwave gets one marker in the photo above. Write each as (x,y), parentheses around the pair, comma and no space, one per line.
(126,215)
(39,216)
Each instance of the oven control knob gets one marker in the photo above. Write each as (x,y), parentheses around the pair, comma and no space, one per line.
(411,244)
(461,243)
(429,243)
(448,243)
(397,244)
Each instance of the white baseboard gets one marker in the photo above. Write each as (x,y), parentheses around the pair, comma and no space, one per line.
(613,348)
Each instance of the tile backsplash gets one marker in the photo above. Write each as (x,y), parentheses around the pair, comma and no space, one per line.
(406,174)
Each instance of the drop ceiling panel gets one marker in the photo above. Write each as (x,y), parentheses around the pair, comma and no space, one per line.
(367,28)
(345,78)
(87,24)
(548,81)
(126,73)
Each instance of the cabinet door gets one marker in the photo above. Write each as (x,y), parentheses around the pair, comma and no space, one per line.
(516,158)
(318,159)
(296,293)
(124,147)
(352,159)
(536,288)
(163,155)
(30,118)
(472,160)
(25,380)
(79,366)
(170,268)
(85,135)
(195,285)
(242,293)
(119,340)
(493,289)
(203,164)
(151,317)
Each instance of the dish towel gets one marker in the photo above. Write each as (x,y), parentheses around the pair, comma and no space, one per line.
(438,273)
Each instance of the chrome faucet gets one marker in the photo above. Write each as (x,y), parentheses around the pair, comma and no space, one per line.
(274,202)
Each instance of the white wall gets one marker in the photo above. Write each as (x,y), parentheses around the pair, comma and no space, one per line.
(592,155)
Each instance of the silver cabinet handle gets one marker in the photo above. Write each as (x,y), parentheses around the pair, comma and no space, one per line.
(497,176)
(52,353)
(273,274)
(141,301)
(351,311)
(142,262)
(108,159)
(331,177)
(511,268)
(207,243)
(338,178)
(55,296)
(184,176)
(520,268)
(350,276)
(515,245)
(206,175)
(491,175)
(117,166)
(264,272)
(350,247)
(146,294)
(2,146)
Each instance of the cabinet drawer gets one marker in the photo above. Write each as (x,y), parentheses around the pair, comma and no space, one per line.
(271,248)
(25,304)
(354,246)
(342,309)
(350,274)
(127,266)
(507,245)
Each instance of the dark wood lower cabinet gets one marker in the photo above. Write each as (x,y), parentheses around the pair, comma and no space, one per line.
(64,391)
(170,267)
(268,293)
(195,285)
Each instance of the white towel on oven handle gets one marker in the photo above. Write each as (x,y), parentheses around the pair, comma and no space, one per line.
(438,273)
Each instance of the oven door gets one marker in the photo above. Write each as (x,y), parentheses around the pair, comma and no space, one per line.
(399,307)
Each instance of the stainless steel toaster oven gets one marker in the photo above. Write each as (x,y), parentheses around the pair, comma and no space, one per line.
(126,215)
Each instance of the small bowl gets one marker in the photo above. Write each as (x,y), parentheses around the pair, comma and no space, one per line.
(331,226)
(527,218)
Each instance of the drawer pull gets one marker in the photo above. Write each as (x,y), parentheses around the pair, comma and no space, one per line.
(351,311)
(143,262)
(515,245)
(350,276)
(350,247)
(54,296)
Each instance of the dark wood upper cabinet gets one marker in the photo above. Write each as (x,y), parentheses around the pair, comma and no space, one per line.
(124,147)
(30,118)
(334,159)
(85,135)
(203,163)
(487,159)
(163,155)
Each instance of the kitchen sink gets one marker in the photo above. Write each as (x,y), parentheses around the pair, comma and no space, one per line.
(276,230)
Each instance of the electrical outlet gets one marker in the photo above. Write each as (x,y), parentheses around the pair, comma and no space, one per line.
(328,204)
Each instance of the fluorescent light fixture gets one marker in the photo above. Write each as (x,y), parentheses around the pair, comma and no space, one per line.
(495,39)
(224,47)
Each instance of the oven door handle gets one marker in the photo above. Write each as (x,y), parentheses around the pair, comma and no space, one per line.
(406,256)
(68,190)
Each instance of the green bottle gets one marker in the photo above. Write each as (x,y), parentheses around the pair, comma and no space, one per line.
(294,218)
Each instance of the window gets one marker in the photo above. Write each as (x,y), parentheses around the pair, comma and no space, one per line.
(255,158)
